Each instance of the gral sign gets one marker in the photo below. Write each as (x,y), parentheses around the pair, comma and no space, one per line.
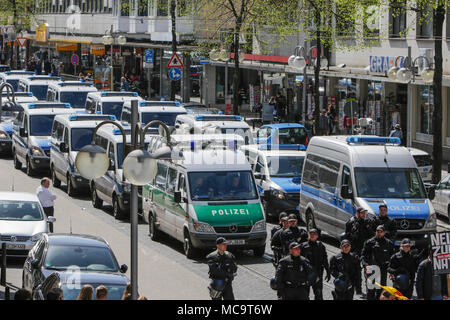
(440,244)
(383,64)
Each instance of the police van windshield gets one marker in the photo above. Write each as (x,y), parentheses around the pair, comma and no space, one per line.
(41,125)
(285,166)
(222,185)
(166,117)
(81,137)
(76,99)
(292,136)
(14,83)
(389,183)
(423,161)
(113,108)
(39,91)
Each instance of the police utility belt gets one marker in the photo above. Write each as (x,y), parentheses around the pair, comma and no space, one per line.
(290,284)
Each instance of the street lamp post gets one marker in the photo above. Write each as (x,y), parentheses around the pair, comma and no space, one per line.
(139,168)
(109,40)
(407,72)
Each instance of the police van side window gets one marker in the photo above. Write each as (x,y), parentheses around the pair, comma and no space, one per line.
(259,168)
(347,178)
(111,152)
(89,106)
(311,171)
(182,184)
(18,120)
(328,174)
(126,116)
(66,136)
(25,123)
(56,126)
(160,180)
(100,141)
(50,95)
(171,180)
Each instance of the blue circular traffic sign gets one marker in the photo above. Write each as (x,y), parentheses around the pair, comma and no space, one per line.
(75,59)
(175,74)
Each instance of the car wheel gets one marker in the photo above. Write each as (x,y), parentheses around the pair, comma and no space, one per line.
(30,171)
(259,252)
(310,223)
(116,208)
(17,163)
(70,189)
(188,248)
(56,182)
(96,201)
(152,229)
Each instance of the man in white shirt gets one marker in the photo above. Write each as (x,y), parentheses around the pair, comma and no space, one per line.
(47,198)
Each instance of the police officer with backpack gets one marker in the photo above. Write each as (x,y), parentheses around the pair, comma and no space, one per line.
(293,234)
(358,230)
(222,268)
(276,242)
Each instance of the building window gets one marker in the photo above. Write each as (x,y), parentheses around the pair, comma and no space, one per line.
(143,8)
(397,19)
(163,8)
(426,108)
(345,25)
(424,22)
(183,8)
(124,8)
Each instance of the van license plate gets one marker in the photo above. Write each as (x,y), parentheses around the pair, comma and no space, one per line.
(15,246)
(234,242)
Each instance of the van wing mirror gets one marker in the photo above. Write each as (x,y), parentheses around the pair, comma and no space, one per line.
(111,165)
(22,132)
(177,197)
(346,193)
(63,147)
(431,193)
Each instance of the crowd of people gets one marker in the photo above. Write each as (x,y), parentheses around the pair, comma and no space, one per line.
(42,65)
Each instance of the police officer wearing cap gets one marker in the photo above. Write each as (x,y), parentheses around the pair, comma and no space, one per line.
(382,219)
(276,242)
(358,230)
(293,233)
(294,275)
(346,270)
(377,251)
(402,268)
(283,224)
(316,253)
(222,266)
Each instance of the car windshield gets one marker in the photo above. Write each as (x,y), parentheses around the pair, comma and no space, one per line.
(39,91)
(113,108)
(71,292)
(198,110)
(292,136)
(41,125)
(61,257)
(20,210)
(389,183)
(81,137)
(76,99)
(222,185)
(423,161)
(285,166)
(14,83)
(166,117)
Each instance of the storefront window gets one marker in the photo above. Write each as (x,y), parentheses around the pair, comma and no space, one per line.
(426,108)
(163,7)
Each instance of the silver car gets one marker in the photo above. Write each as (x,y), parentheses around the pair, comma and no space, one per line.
(22,222)
(441,201)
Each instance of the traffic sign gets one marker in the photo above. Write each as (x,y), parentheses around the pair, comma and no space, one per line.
(149,54)
(205,61)
(175,74)
(21,41)
(175,61)
(75,59)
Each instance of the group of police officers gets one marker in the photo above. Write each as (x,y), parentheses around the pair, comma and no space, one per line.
(301,260)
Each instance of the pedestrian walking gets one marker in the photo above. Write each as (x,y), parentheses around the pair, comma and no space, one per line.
(38,67)
(86,292)
(222,269)
(124,84)
(377,251)
(430,286)
(382,219)
(294,275)
(46,198)
(323,123)
(55,294)
(293,233)
(346,270)
(280,106)
(101,293)
(402,268)
(359,229)
(397,132)
(316,253)
(331,114)
(22,294)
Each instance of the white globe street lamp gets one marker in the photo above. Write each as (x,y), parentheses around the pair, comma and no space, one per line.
(392,73)
(299,62)
(214,55)
(404,75)
(139,167)
(323,61)
(427,75)
(224,55)
(107,40)
(291,60)
(122,40)
(92,162)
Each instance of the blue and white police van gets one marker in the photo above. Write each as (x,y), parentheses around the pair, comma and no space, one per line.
(13,77)
(278,171)
(282,133)
(31,134)
(38,85)
(342,173)
(109,102)
(73,92)
(165,111)
(70,133)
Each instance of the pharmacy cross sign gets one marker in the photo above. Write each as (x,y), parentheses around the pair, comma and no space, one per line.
(175,61)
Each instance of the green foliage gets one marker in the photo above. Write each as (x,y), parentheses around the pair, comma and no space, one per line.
(20,13)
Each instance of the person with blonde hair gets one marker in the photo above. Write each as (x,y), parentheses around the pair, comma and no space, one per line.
(86,292)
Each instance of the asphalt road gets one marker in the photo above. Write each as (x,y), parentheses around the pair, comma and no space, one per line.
(163,272)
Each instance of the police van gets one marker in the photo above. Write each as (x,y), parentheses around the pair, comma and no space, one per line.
(73,92)
(215,123)
(4,67)
(13,77)
(70,133)
(202,195)
(278,171)
(282,133)
(31,134)
(38,85)
(154,110)
(109,102)
(113,188)
(8,113)
(342,173)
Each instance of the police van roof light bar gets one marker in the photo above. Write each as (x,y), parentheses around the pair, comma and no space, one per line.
(48,106)
(119,94)
(373,140)
(91,117)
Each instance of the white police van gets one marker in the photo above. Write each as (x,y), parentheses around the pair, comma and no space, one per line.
(342,173)
(113,188)
(31,134)
(204,194)
(154,110)
(73,92)
(109,102)
(8,113)
(38,85)
(70,133)
(214,123)
(12,77)
(278,171)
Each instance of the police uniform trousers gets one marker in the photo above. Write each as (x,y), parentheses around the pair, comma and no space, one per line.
(317,288)
(346,295)
(227,293)
(296,293)
(374,294)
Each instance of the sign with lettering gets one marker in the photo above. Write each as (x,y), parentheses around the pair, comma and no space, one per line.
(383,63)
(440,244)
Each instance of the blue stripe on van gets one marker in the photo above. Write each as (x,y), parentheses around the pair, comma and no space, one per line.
(323,196)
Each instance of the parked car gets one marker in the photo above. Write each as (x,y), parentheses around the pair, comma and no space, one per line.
(424,163)
(69,252)
(441,201)
(282,133)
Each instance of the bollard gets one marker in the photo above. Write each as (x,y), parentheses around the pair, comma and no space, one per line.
(3,266)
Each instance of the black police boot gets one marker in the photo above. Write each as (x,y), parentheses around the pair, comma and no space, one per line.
(333,293)
(358,290)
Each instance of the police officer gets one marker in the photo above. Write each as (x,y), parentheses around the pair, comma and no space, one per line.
(389,224)
(346,270)
(316,253)
(377,251)
(402,268)
(294,275)
(276,242)
(222,266)
(293,233)
(283,224)
(358,229)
